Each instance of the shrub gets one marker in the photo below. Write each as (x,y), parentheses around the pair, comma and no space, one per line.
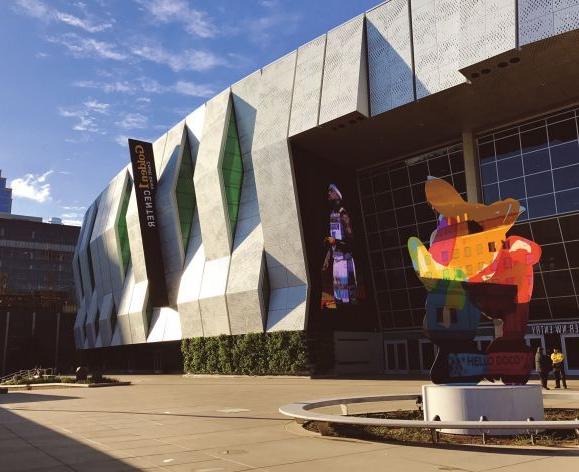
(280,353)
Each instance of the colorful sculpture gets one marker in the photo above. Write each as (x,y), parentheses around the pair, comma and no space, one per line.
(473,267)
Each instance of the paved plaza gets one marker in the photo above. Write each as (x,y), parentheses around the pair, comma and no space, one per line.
(213,424)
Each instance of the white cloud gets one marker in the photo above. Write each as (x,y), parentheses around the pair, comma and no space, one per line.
(149,86)
(71,222)
(33,8)
(32,186)
(39,10)
(195,22)
(97,106)
(189,59)
(133,121)
(85,122)
(74,208)
(193,89)
(269,3)
(108,87)
(86,115)
(88,47)
(86,25)
(122,140)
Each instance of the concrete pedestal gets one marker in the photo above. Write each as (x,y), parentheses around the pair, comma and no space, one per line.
(470,402)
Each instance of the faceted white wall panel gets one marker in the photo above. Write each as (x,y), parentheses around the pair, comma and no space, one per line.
(79,322)
(390,70)
(212,301)
(345,81)
(277,198)
(308,86)
(132,314)
(122,333)
(165,325)
(452,34)
(246,271)
(211,204)
(83,249)
(190,285)
(540,19)
(138,312)
(192,275)
(106,258)
(91,320)
(105,326)
(167,210)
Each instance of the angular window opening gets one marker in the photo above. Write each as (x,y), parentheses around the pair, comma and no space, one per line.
(232,169)
(185,194)
(122,229)
(114,319)
(97,325)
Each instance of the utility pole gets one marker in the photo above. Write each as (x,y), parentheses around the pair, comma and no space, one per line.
(6,343)
(57,342)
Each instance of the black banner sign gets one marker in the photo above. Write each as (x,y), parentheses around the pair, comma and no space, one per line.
(145,182)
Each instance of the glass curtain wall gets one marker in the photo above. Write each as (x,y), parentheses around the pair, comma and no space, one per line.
(537,163)
(394,208)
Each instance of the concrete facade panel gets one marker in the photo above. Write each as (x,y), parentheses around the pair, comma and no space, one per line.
(308,86)
(345,80)
(208,180)
(390,69)
(540,19)
(449,35)
(275,182)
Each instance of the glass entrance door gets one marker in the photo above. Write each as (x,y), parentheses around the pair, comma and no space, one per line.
(571,352)
(396,353)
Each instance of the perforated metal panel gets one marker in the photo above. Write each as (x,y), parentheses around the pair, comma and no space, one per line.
(389,56)
(344,86)
(277,198)
(452,34)
(307,86)
(540,19)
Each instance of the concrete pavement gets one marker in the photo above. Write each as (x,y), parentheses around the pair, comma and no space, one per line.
(213,424)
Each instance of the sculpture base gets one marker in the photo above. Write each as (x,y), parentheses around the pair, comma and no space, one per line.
(470,402)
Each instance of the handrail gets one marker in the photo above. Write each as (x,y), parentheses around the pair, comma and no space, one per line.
(28,374)
(302,411)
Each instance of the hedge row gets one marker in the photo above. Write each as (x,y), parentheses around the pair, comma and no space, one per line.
(280,353)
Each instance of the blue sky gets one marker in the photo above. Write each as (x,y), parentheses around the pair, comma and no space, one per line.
(79,77)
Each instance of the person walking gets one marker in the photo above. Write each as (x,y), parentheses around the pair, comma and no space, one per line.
(543,367)
(557,358)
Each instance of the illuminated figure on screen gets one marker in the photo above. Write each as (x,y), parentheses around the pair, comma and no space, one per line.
(339,254)
(473,267)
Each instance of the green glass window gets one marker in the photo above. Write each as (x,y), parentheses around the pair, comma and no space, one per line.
(232,168)
(185,193)
(122,228)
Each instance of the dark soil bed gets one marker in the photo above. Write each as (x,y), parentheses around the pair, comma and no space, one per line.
(553,438)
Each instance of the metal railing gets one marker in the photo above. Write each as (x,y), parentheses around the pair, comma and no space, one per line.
(27,374)
(302,411)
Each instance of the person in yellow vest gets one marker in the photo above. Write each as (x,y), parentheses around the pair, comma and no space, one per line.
(557,359)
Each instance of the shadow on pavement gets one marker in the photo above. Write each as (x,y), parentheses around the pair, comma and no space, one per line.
(26,445)
(185,415)
(21,397)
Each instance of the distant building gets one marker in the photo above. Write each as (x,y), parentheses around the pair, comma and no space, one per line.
(37,306)
(5,196)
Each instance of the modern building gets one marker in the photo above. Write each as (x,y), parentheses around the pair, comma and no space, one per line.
(37,300)
(333,142)
(5,196)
